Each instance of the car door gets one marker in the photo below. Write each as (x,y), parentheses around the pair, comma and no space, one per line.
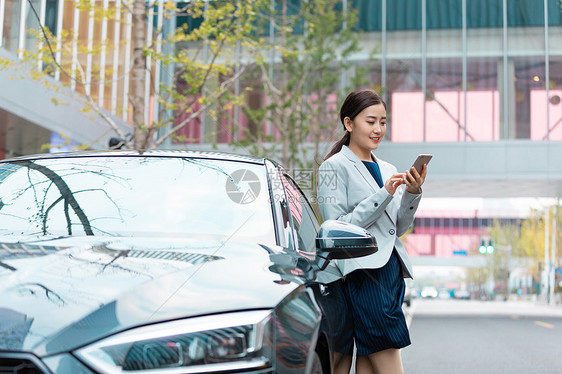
(328,293)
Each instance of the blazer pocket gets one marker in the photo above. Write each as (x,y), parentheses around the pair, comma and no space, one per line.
(392,211)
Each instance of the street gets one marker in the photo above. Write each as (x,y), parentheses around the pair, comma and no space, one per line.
(461,336)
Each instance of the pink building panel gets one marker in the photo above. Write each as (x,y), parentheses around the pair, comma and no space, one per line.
(192,130)
(445,245)
(440,245)
(539,115)
(445,116)
(418,244)
(483,115)
(406,117)
(450,230)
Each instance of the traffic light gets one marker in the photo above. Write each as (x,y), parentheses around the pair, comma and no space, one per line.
(490,247)
(482,248)
(486,249)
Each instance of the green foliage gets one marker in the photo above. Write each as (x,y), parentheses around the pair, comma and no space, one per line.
(524,241)
(5,63)
(221,42)
(477,276)
(206,58)
(202,59)
(528,239)
(303,83)
(531,236)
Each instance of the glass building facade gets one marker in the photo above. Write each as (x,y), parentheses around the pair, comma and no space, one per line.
(450,70)
(467,70)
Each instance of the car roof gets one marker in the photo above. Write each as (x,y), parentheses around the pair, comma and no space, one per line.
(151,153)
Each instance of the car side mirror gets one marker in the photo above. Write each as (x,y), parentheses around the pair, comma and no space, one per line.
(341,240)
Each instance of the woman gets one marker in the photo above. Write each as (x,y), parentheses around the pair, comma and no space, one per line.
(370,193)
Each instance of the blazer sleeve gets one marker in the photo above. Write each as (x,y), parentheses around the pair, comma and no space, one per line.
(408,207)
(333,198)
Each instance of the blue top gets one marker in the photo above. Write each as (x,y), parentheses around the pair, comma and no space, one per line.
(373,168)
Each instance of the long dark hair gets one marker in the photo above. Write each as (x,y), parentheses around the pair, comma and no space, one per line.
(353,104)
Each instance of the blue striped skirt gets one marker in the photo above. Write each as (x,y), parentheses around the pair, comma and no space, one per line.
(373,317)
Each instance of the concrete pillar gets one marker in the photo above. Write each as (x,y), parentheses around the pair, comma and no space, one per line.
(506,86)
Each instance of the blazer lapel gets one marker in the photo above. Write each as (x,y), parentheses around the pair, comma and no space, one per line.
(386,173)
(361,168)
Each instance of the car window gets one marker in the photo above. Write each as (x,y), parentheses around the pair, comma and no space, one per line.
(303,219)
(280,208)
(136,196)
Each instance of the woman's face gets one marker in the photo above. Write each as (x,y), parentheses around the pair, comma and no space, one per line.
(368,128)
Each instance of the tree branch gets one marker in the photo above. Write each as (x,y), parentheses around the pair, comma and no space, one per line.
(223,89)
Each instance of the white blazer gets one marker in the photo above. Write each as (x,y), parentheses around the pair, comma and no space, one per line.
(348,192)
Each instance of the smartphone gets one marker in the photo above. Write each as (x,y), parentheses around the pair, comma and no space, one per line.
(422,159)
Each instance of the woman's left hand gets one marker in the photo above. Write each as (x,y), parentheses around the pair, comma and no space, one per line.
(414,180)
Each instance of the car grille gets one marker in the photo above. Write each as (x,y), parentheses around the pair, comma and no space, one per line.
(19,364)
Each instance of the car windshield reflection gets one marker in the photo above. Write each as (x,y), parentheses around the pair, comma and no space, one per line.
(136,196)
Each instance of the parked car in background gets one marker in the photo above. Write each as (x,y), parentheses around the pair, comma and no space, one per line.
(462,294)
(429,292)
(167,262)
(444,293)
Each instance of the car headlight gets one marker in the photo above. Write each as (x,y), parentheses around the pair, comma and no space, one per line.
(224,342)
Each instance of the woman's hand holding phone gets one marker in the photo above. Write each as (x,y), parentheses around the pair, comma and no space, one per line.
(414,178)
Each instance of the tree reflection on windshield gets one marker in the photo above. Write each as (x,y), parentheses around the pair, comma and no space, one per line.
(66,195)
(131,196)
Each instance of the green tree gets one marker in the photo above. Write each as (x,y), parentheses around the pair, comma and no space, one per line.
(530,241)
(303,82)
(477,278)
(203,54)
(524,241)
(506,247)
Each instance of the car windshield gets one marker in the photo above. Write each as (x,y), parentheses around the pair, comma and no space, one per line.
(136,196)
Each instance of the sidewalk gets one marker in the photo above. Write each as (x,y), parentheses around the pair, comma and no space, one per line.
(476,307)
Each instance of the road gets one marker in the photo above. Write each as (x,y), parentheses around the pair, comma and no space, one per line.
(459,336)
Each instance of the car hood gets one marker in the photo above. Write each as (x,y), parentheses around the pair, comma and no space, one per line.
(61,294)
